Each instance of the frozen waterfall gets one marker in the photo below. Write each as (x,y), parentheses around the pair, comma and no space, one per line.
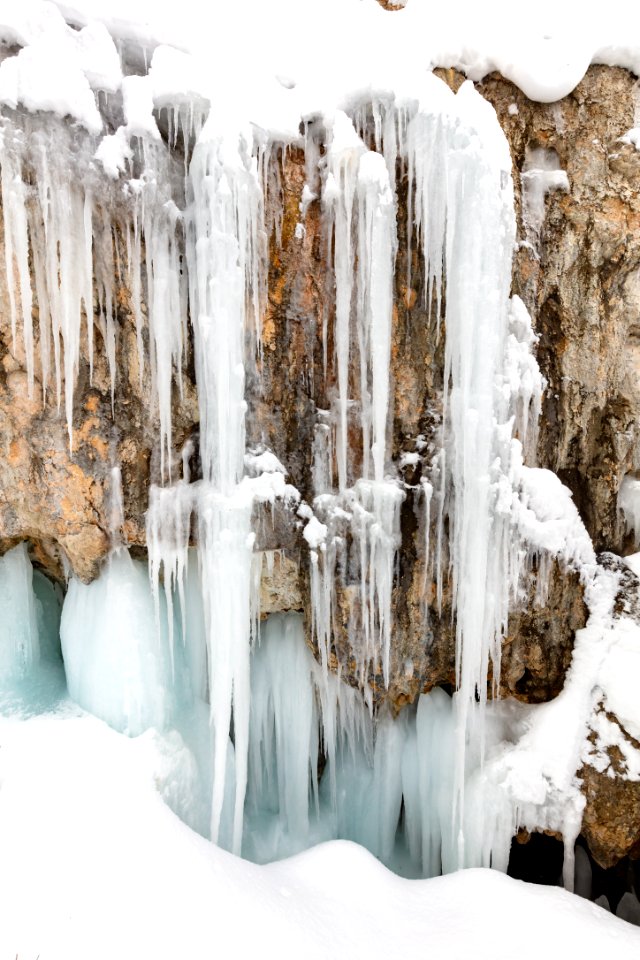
(273,751)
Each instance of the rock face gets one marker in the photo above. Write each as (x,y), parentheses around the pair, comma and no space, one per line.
(577,269)
(578,273)
(611,819)
(56,490)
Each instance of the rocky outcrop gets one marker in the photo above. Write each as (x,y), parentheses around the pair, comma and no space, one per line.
(611,818)
(579,274)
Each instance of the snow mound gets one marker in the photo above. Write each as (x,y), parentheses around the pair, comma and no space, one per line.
(96,866)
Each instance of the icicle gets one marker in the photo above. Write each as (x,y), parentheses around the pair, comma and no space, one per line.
(158,222)
(226,544)
(376,530)
(72,237)
(227,211)
(357,193)
(347,740)
(338,197)
(14,197)
(226,267)
(284,732)
(168,526)
(523,382)
(427,490)
(53,222)
(134,256)
(116,507)
(376,255)
(61,258)
(105,271)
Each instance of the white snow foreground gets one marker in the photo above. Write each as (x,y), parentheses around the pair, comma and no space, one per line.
(94,865)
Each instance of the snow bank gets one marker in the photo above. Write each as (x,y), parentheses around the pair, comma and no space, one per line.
(95,866)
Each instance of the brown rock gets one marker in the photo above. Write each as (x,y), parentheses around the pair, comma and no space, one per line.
(611,818)
(582,286)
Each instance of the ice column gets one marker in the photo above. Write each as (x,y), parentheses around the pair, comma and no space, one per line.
(19,639)
(225,254)
(357,193)
(115,654)
(464,209)
(284,732)
(338,196)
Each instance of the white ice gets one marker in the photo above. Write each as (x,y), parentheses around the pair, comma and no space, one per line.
(116,654)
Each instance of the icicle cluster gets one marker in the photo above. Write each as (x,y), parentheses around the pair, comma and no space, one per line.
(361,521)
(77,237)
(182,243)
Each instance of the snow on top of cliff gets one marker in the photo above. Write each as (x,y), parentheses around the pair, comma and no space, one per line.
(274,62)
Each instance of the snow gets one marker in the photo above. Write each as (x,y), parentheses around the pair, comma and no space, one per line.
(408,459)
(617,676)
(113,152)
(265,462)
(315,533)
(549,520)
(546,60)
(59,68)
(633,137)
(137,97)
(608,733)
(524,384)
(95,865)
(121,665)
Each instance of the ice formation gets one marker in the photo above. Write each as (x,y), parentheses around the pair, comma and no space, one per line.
(629,505)
(117,665)
(20,636)
(540,175)
(104,209)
